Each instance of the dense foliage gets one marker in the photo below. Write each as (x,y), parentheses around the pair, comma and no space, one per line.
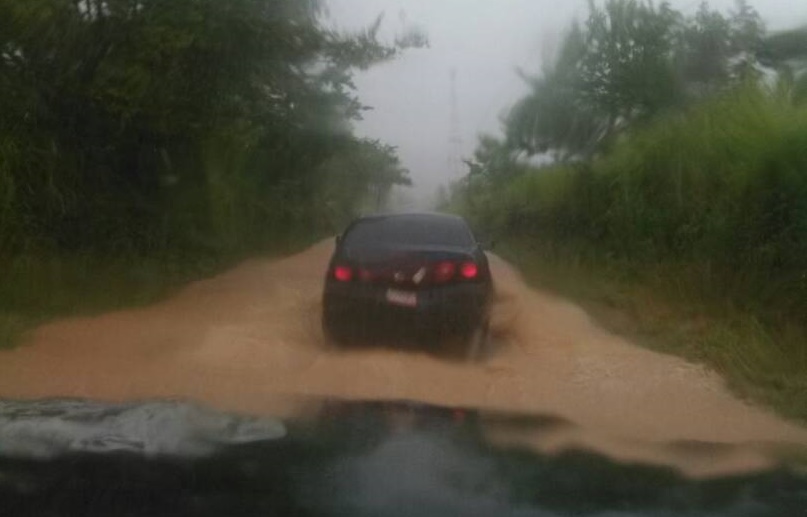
(631,61)
(668,140)
(721,188)
(198,124)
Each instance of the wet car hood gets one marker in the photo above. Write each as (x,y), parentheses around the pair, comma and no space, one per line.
(72,457)
(51,428)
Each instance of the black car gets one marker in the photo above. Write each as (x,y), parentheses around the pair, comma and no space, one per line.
(413,278)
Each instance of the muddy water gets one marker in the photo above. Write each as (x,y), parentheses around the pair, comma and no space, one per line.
(250,341)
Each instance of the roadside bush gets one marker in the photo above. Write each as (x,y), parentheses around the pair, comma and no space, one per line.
(721,187)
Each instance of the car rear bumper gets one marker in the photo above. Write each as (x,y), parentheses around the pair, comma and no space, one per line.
(365,312)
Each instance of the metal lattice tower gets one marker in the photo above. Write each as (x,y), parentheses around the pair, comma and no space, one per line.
(455,136)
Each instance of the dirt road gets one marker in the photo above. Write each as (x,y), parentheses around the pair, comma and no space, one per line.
(250,340)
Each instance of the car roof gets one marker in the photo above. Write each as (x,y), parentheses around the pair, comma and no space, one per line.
(413,215)
(434,221)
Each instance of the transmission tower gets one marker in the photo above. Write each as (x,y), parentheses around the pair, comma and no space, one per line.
(455,135)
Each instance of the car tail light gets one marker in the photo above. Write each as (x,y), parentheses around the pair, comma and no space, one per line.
(343,273)
(444,271)
(469,270)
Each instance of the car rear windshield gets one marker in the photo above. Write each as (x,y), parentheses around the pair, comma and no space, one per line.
(409,231)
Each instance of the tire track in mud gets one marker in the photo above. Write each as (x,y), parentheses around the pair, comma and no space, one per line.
(250,340)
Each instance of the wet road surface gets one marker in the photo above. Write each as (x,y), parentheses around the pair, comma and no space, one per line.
(250,341)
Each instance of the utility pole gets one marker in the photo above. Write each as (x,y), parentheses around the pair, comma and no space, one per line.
(455,135)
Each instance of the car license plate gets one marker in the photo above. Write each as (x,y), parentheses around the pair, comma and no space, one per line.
(402,298)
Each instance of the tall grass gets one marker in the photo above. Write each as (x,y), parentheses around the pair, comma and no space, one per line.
(721,189)
(37,287)
(68,249)
(705,208)
(664,308)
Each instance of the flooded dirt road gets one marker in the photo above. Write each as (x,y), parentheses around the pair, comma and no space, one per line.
(250,341)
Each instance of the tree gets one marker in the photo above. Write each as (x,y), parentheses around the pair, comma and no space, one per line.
(629,62)
(614,70)
(704,47)
(492,158)
(627,67)
(360,178)
(141,122)
(786,52)
(554,117)
(747,35)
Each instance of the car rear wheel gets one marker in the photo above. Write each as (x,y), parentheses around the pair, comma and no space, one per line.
(470,346)
(333,330)
(478,343)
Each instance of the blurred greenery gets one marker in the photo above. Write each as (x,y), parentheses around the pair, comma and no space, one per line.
(137,125)
(690,181)
(134,130)
(663,308)
(36,288)
(631,61)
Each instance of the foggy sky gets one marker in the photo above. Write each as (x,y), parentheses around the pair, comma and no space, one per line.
(485,41)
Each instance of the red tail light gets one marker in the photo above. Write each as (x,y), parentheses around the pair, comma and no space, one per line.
(469,270)
(343,273)
(444,271)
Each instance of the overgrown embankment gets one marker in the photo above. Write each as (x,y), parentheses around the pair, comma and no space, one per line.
(673,190)
(694,228)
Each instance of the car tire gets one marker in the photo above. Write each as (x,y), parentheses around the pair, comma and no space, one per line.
(333,332)
(478,343)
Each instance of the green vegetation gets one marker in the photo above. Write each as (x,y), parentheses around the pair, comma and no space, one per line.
(662,309)
(684,207)
(39,287)
(720,188)
(148,129)
(36,288)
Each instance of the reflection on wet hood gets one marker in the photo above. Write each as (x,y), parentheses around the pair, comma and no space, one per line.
(65,458)
(45,429)
(411,472)
(425,475)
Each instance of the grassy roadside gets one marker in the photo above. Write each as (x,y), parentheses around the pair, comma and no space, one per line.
(663,309)
(39,288)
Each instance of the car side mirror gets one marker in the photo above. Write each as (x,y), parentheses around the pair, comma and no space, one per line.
(488,245)
(338,239)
